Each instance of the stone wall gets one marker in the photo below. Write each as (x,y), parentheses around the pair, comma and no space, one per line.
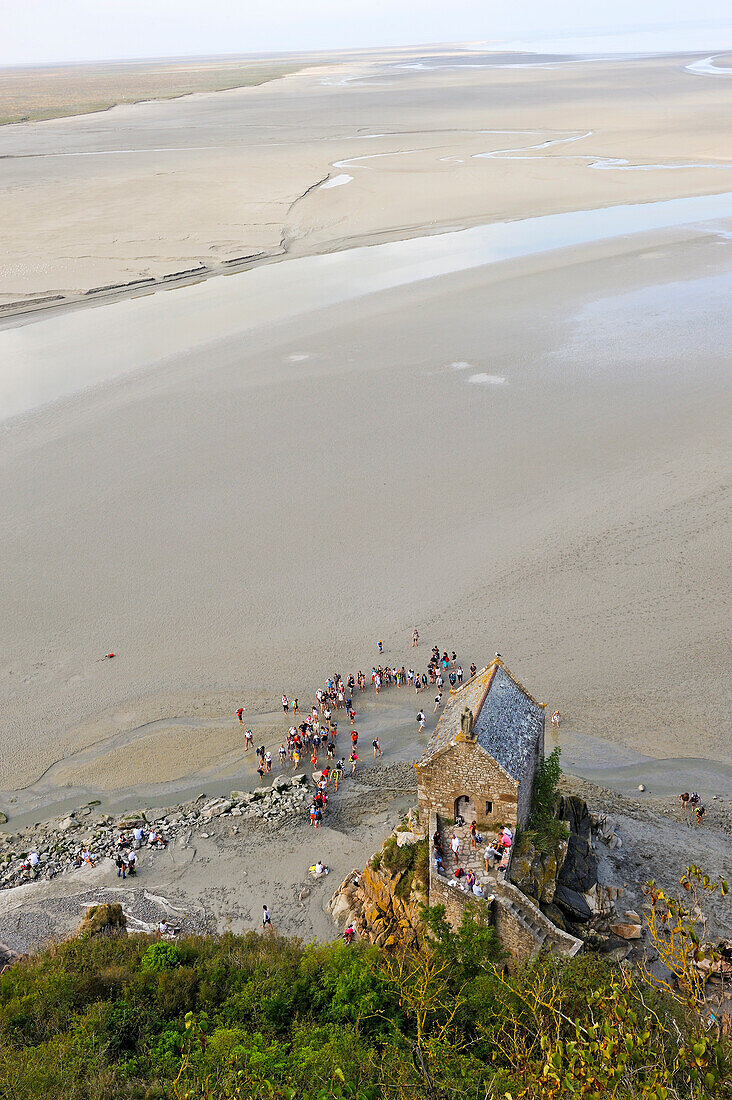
(466,769)
(524,928)
(454,900)
(515,937)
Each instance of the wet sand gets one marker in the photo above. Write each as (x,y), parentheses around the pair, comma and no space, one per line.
(143,192)
(529,456)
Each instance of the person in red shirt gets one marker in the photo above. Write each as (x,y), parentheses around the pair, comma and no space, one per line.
(354,737)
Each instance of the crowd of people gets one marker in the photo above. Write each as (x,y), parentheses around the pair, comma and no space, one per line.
(495,856)
(315,736)
(313,733)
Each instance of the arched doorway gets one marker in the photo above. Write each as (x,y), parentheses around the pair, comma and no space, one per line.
(464,808)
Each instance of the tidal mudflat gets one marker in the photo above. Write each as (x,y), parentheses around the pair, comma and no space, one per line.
(239,485)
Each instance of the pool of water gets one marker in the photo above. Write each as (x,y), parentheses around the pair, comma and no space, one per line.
(43,359)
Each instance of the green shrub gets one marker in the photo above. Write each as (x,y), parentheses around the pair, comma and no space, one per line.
(160,956)
(545,830)
(258,1017)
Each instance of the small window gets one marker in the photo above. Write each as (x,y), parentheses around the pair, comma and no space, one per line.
(489,807)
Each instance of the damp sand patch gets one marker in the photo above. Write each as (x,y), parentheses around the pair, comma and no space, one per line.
(487,380)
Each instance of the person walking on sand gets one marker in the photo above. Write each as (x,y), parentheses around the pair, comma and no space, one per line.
(285,704)
(438,701)
(248,740)
(295,706)
(556,719)
(240,715)
(421,720)
(266,919)
(376,747)
(415,637)
(699,811)
(684,800)
(354,761)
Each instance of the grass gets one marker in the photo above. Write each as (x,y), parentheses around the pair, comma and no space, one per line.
(34,94)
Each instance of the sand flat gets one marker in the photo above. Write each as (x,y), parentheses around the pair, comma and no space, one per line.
(150,189)
(252,511)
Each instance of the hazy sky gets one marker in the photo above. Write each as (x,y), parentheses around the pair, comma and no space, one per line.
(33,31)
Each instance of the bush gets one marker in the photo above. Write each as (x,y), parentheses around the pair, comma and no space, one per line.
(160,956)
(545,830)
(258,1016)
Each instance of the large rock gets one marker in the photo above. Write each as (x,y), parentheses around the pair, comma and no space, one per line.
(574,811)
(626,931)
(579,870)
(106,920)
(535,873)
(572,903)
(340,908)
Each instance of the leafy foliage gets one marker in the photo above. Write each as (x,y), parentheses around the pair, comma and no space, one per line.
(677,927)
(258,1016)
(410,860)
(545,830)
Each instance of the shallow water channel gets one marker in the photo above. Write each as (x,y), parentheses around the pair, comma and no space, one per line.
(43,359)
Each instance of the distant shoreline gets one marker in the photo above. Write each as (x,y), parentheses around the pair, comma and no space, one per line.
(50,92)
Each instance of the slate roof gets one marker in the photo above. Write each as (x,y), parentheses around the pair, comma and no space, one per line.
(507,720)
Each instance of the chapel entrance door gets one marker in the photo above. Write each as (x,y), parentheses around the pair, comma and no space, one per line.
(465,808)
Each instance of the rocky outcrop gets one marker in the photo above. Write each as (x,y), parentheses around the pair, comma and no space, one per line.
(564,881)
(383,901)
(58,844)
(535,873)
(578,870)
(104,920)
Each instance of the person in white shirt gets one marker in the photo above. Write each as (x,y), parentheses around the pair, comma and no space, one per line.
(33,859)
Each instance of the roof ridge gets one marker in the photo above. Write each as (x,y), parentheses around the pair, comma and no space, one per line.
(498,663)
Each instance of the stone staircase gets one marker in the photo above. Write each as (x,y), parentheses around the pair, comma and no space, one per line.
(529,917)
(521,925)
